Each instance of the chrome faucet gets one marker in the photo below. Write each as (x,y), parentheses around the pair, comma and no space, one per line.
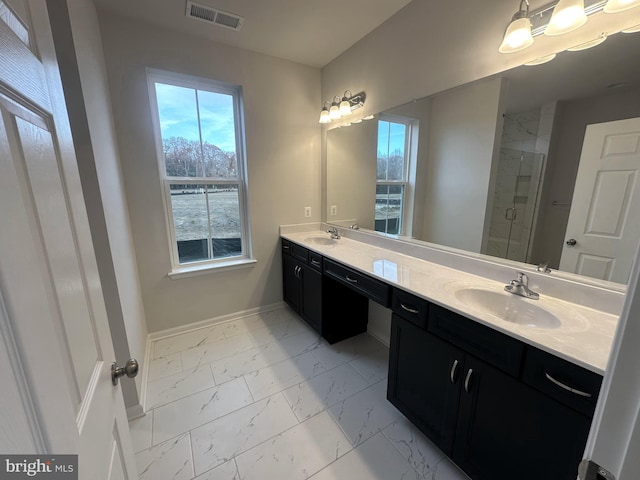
(520,286)
(543,267)
(334,233)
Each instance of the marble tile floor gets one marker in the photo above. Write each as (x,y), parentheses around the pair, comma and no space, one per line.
(264,397)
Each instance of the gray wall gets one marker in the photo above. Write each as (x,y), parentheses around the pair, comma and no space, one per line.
(283,156)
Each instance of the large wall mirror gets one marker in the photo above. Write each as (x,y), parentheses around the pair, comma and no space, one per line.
(537,164)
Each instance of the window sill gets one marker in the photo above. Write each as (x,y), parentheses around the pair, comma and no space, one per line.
(195,270)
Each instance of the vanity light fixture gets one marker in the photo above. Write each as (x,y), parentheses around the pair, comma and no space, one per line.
(518,35)
(325,117)
(556,18)
(615,6)
(334,111)
(568,15)
(339,108)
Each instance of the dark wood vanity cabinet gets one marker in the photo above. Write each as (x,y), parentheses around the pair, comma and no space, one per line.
(331,308)
(474,392)
(302,284)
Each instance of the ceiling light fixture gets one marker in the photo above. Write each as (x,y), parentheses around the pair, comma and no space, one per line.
(518,35)
(340,108)
(615,6)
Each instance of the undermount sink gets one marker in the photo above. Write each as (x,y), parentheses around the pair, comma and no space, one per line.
(508,307)
(320,240)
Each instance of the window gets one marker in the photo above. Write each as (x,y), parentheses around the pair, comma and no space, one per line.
(199,130)
(392,176)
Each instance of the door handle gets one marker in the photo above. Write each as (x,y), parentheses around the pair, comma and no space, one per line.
(454,369)
(571,242)
(467,380)
(409,308)
(130,369)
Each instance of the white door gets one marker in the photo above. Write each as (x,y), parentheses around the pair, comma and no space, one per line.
(604,223)
(53,324)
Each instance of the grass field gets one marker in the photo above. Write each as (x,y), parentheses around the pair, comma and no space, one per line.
(190,215)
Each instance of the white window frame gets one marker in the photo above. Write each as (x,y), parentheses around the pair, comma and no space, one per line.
(209,265)
(409,172)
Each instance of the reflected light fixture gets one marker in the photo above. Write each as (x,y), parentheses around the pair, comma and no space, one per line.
(615,6)
(541,60)
(590,44)
(518,35)
(340,108)
(568,15)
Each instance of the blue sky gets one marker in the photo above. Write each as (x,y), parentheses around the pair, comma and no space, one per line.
(177,108)
(391,136)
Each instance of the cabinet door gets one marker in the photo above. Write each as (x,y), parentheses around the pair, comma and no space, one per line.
(291,284)
(311,302)
(507,430)
(424,380)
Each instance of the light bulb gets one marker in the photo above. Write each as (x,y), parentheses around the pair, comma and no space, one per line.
(324,116)
(568,15)
(615,6)
(517,37)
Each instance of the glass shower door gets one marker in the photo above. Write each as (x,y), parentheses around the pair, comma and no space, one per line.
(515,202)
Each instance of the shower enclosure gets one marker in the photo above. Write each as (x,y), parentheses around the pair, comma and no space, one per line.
(514,204)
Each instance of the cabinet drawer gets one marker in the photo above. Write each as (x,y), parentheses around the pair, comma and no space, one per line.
(566,382)
(286,246)
(410,307)
(377,291)
(299,252)
(493,347)
(315,261)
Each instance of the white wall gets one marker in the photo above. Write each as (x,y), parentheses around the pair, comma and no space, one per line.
(464,132)
(283,152)
(79,47)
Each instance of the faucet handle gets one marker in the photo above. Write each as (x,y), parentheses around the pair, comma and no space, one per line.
(522,278)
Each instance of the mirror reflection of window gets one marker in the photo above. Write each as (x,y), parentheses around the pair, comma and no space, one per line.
(392,174)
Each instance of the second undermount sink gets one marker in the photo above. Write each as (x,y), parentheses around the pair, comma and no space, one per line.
(508,307)
(320,240)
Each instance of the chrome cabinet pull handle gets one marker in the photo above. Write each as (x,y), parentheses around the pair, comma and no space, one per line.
(467,380)
(409,309)
(351,279)
(285,247)
(566,387)
(315,262)
(454,368)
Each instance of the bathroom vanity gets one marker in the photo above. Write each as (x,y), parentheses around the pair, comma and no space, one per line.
(505,386)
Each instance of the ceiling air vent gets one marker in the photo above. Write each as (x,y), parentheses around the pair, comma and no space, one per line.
(213,16)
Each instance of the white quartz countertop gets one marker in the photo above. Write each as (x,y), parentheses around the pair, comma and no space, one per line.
(584,335)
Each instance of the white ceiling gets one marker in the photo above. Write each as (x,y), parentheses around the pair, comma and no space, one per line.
(311,32)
